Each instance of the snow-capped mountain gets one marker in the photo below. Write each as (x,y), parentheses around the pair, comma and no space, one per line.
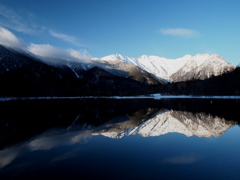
(14,59)
(115,74)
(187,123)
(200,66)
(129,71)
(34,75)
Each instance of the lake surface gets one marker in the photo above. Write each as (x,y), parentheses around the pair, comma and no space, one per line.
(120,139)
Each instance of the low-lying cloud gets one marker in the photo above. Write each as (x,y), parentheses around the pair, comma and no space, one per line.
(50,51)
(7,38)
(180,32)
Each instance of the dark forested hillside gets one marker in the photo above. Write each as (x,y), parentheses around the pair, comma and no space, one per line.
(226,84)
(22,74)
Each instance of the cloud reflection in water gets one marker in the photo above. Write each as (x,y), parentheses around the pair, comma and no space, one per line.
(43,143)
(184,159)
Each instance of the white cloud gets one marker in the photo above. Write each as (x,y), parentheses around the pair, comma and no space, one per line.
(9,39)
(180,32)
(64,37)
(48,50)
(80,54)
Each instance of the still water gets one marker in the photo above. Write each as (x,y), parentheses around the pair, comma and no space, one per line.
(120,139)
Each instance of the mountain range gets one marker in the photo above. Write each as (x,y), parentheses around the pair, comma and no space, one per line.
(200,66)
(25,74)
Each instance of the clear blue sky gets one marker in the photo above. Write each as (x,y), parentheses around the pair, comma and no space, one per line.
(166,28)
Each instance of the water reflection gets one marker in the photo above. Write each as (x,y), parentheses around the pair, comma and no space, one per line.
(169,121)
(184,159)
(140,119)
(119,139)
(45,141)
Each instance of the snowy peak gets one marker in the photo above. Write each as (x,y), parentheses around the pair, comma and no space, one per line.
(114,57)
(207,57)
(169,69)
(146,57)
(202,66)
(119,57)
(187,56)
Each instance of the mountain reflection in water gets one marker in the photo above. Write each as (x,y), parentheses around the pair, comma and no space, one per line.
(37,127)
(168,121)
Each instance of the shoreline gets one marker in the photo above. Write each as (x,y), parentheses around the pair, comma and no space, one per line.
(150,96)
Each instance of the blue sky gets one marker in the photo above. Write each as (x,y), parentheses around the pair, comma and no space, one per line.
(166,28)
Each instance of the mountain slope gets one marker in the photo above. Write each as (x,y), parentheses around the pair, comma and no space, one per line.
(116,68)
(104,83)
(225,84)
(23,74)
(202,66)
(129,71)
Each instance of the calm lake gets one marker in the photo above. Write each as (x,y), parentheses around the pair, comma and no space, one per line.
(120,139)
